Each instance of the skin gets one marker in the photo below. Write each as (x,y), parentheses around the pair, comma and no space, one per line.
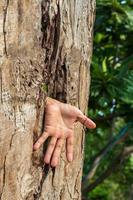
(59,126)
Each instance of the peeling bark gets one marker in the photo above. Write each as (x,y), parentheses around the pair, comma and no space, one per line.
(42,42)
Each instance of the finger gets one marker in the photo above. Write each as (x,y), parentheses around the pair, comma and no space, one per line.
(50,150)
(86,121)
(69,146)
(40,141)
(57,152)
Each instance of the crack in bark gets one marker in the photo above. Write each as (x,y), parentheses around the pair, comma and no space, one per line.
(79,85)
(45,172)
(74,198)
(53,170)
(9,149)
(75,188)
(60,79)
(82,141)
(4,27)
(11,141)
(50,41)
(4,175)
(69,190)
(1,89)
(61,192)
(4,166)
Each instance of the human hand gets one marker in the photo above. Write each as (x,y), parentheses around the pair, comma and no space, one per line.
(59,125)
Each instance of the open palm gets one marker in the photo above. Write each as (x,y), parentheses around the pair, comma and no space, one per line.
(59,125)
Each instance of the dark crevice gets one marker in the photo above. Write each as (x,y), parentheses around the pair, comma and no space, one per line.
(50,42)
(60,80)
(4,27)
(53,170)
(1,90)
(79,82)
(4,176)
(56,34)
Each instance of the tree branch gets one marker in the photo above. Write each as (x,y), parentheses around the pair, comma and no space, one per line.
(112,167)
(120,137)
(110,116)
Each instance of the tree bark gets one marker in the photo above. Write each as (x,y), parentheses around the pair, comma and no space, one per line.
(43,43)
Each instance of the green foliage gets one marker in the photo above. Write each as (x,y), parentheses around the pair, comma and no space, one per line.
(111,100)
(44,87)
(106,191)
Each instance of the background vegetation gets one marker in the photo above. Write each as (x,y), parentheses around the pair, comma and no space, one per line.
(108,166)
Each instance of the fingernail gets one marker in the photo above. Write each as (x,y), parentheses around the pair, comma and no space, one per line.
(54,164)
(90,124)
(35,146)
(93,125)
(70,157)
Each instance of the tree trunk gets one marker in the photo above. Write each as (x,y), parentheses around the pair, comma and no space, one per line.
(46,43)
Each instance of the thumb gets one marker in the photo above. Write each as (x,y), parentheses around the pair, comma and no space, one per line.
(86,121)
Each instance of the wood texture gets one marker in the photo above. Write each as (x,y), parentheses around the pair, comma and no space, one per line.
(41,42)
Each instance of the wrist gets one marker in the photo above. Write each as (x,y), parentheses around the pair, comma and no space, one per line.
(50,101)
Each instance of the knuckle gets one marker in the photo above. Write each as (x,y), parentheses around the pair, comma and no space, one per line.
(70,133)
(57,152)
(51,144)
(46,160)
(58,134)
(70,143)
(55,157)
(43,136)
(58,146)
(40,141)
